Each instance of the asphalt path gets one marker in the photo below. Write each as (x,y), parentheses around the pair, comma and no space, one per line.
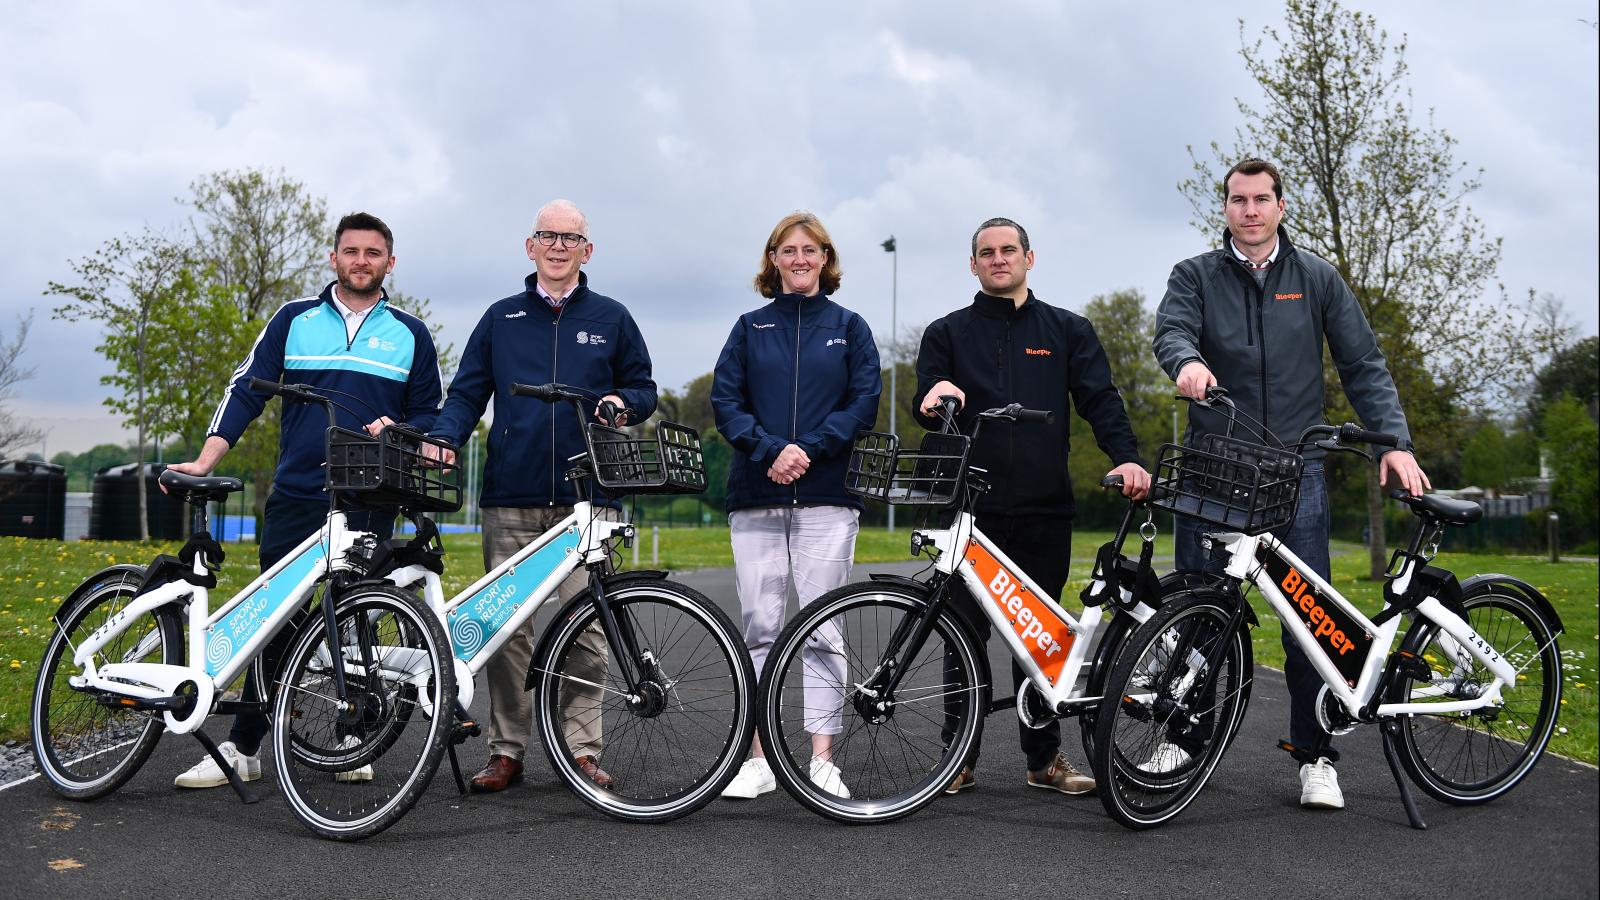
(1245,836)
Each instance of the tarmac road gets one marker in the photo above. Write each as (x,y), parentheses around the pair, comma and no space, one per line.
(1245,836)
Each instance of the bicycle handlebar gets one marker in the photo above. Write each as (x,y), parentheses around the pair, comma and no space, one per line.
(298,393)
(610,413)
(1352,434)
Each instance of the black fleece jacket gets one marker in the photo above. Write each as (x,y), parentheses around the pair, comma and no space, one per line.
(1043,357)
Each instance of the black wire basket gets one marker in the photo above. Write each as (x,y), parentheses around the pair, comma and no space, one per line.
(927,476)
(390,470)
(671,462)
(1226,481)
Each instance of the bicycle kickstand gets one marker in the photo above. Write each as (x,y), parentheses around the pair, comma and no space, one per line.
(465,727)
(237,783)
(1390,727)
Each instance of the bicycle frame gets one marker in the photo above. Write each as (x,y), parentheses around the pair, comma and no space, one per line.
(1298,595)
(483,617)
(1052,652)
(220,644)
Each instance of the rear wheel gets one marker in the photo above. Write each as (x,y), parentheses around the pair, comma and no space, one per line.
(1466,758)
(351,770)
(675,743)
(1173,701)
(85,749)
(892,753)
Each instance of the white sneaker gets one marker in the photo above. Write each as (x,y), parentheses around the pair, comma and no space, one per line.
(207,774)
(364,773)
(1319,786)
(826,775)
(1168,757)
(754,779)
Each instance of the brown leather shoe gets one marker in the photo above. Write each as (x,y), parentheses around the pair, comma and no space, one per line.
(500,773)
(962,782)
(591,767)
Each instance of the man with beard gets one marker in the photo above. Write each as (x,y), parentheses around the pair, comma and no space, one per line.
(347,339)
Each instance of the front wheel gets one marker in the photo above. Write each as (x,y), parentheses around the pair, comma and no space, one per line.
(1467,758)
(824,703)
(351,769)
(1173,703)
(669,747)
(84,749)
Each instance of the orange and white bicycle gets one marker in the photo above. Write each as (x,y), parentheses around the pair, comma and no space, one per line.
(897,679)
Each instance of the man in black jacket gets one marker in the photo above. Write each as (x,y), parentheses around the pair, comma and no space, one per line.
(1252,316)
(1010,347)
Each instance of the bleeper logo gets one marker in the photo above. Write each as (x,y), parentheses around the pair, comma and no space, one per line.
(1042,632)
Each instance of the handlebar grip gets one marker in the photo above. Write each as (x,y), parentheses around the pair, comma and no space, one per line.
(300,393)
(1111,481)
(1350,433)
(1036,416)
(545,392)
(610,413)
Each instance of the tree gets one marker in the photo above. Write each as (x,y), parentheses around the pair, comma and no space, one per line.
(122,287)
(1572,442)
(263,234)
(1125,327)
(1573,372)
(14,432)
(1381,196)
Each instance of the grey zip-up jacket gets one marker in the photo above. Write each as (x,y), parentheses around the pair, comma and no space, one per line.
(1264,343)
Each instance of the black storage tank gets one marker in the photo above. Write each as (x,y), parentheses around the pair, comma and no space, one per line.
(115,514)
(33,499)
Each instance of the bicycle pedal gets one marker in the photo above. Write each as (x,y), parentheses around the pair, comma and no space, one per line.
(467,728)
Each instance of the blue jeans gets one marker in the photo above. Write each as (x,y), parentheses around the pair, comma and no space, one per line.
(1307,538)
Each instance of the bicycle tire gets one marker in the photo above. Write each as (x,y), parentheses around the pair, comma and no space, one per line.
(1118,631)
(892,761)
(1470,758)
(672,749)
(1152,708)
(86,750)
(349,780)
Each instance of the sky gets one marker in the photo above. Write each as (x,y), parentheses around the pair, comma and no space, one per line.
(686,130)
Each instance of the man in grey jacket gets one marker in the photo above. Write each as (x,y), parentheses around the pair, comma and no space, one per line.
(1251,317)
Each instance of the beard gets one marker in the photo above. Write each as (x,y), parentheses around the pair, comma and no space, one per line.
(348,285)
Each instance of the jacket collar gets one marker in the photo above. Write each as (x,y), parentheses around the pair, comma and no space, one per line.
(808,306)
(327,298)
(531,292)
(1284,251)
(1002,307)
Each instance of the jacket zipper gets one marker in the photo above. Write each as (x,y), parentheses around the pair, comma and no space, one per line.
(555,357)
(1011,429)
(794,407)
(350,339)
(1261,329)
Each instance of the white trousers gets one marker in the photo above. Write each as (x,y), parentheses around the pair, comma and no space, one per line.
(808,548)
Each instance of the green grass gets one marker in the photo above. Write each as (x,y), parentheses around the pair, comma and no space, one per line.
(36,575)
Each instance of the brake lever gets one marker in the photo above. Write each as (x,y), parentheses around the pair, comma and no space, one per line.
(1332,445)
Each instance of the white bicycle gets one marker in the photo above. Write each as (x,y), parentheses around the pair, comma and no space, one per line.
(1466,704)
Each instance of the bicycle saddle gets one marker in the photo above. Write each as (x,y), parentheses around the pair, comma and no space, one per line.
(211,485)
(1452,512)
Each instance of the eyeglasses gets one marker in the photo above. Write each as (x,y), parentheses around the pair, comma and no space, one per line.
(567,238)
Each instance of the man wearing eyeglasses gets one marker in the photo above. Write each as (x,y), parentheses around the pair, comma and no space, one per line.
(555,330)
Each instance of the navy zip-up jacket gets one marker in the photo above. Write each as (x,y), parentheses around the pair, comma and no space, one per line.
(591,343)
(800,370)
(390,367)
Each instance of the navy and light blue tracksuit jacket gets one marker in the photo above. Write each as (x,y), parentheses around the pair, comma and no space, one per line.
(800,370)
(390,368)
(590,343)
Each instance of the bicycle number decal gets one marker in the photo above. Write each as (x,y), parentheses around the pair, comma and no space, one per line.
(1340,638)
(1045,636)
